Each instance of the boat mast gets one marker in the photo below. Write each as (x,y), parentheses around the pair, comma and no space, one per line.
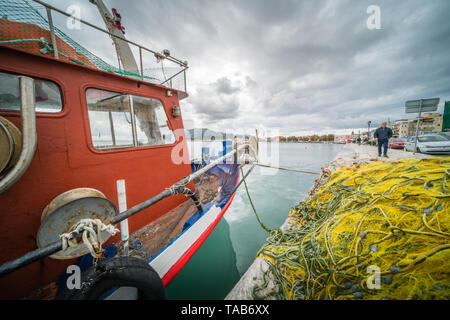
(122,47)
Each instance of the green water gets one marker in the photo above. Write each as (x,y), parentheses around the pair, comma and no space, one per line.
(230,249)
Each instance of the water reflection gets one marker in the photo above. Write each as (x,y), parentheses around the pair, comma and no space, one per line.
(211,273)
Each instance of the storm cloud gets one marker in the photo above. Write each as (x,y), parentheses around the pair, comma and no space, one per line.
(297,66)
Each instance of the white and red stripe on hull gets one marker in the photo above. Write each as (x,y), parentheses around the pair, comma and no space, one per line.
(174,257)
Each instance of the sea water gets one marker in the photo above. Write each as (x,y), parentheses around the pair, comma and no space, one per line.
(231,248)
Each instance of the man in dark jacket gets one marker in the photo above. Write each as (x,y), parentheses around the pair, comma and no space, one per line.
(383,134)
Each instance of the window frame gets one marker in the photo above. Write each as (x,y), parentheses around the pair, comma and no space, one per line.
(59,113)
(113,149)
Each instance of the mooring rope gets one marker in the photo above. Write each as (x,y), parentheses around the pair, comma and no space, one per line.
(287,169)
(251,202)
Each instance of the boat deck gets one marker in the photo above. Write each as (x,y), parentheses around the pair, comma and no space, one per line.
(156,235)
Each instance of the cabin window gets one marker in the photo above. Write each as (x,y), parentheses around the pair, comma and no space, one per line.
(47,94)
(120,120)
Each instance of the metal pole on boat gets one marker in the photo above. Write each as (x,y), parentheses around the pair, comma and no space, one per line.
(52,32)
(140,61)
(122,46)
(133,121)
(111,125)
(179,72)
(122,199)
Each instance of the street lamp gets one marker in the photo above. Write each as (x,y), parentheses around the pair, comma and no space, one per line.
(368,130)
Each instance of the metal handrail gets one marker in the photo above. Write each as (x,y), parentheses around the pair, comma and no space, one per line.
(29,135)
(140,47)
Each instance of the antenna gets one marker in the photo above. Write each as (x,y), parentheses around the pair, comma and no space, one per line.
(112,22)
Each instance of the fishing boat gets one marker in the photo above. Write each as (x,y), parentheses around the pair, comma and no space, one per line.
(95,173)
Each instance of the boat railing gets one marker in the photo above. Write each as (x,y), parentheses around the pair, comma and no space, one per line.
(172,75)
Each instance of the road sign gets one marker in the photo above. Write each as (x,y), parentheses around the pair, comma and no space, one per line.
(422,105)
(428,105)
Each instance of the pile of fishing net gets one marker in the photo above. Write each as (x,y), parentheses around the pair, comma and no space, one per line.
(377,231)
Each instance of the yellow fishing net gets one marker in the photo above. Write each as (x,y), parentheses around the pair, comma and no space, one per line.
(379,231)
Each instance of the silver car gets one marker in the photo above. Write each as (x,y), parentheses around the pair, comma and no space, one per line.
(445,135)
(432,144)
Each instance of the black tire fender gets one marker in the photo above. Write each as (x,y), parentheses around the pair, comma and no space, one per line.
(117,272)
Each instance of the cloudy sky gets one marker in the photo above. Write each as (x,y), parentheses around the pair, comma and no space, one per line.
(299,67)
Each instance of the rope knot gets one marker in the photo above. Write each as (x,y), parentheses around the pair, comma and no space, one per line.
(91,235)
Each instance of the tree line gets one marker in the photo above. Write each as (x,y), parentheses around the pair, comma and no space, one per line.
(312,138)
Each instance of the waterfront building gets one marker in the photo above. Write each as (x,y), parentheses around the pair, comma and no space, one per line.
(430,122)
(400,128)
(342,138)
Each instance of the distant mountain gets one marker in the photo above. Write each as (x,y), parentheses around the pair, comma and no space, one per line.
(207,134)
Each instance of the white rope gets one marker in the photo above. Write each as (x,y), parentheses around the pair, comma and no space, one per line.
(91,234)
(176,189)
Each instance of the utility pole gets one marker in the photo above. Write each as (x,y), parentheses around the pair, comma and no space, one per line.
(123,49)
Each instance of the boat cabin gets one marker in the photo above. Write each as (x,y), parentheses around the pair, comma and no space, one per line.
(93,128)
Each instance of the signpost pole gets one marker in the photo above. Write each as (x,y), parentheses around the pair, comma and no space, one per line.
(425,105)
(417,128)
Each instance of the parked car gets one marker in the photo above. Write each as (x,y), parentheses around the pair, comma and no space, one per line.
(445,135)
(432,144)
(397,143)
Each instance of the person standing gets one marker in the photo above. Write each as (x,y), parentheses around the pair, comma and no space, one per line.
(383,134)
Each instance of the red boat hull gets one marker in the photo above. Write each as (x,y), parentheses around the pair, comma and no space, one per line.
(66,159)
